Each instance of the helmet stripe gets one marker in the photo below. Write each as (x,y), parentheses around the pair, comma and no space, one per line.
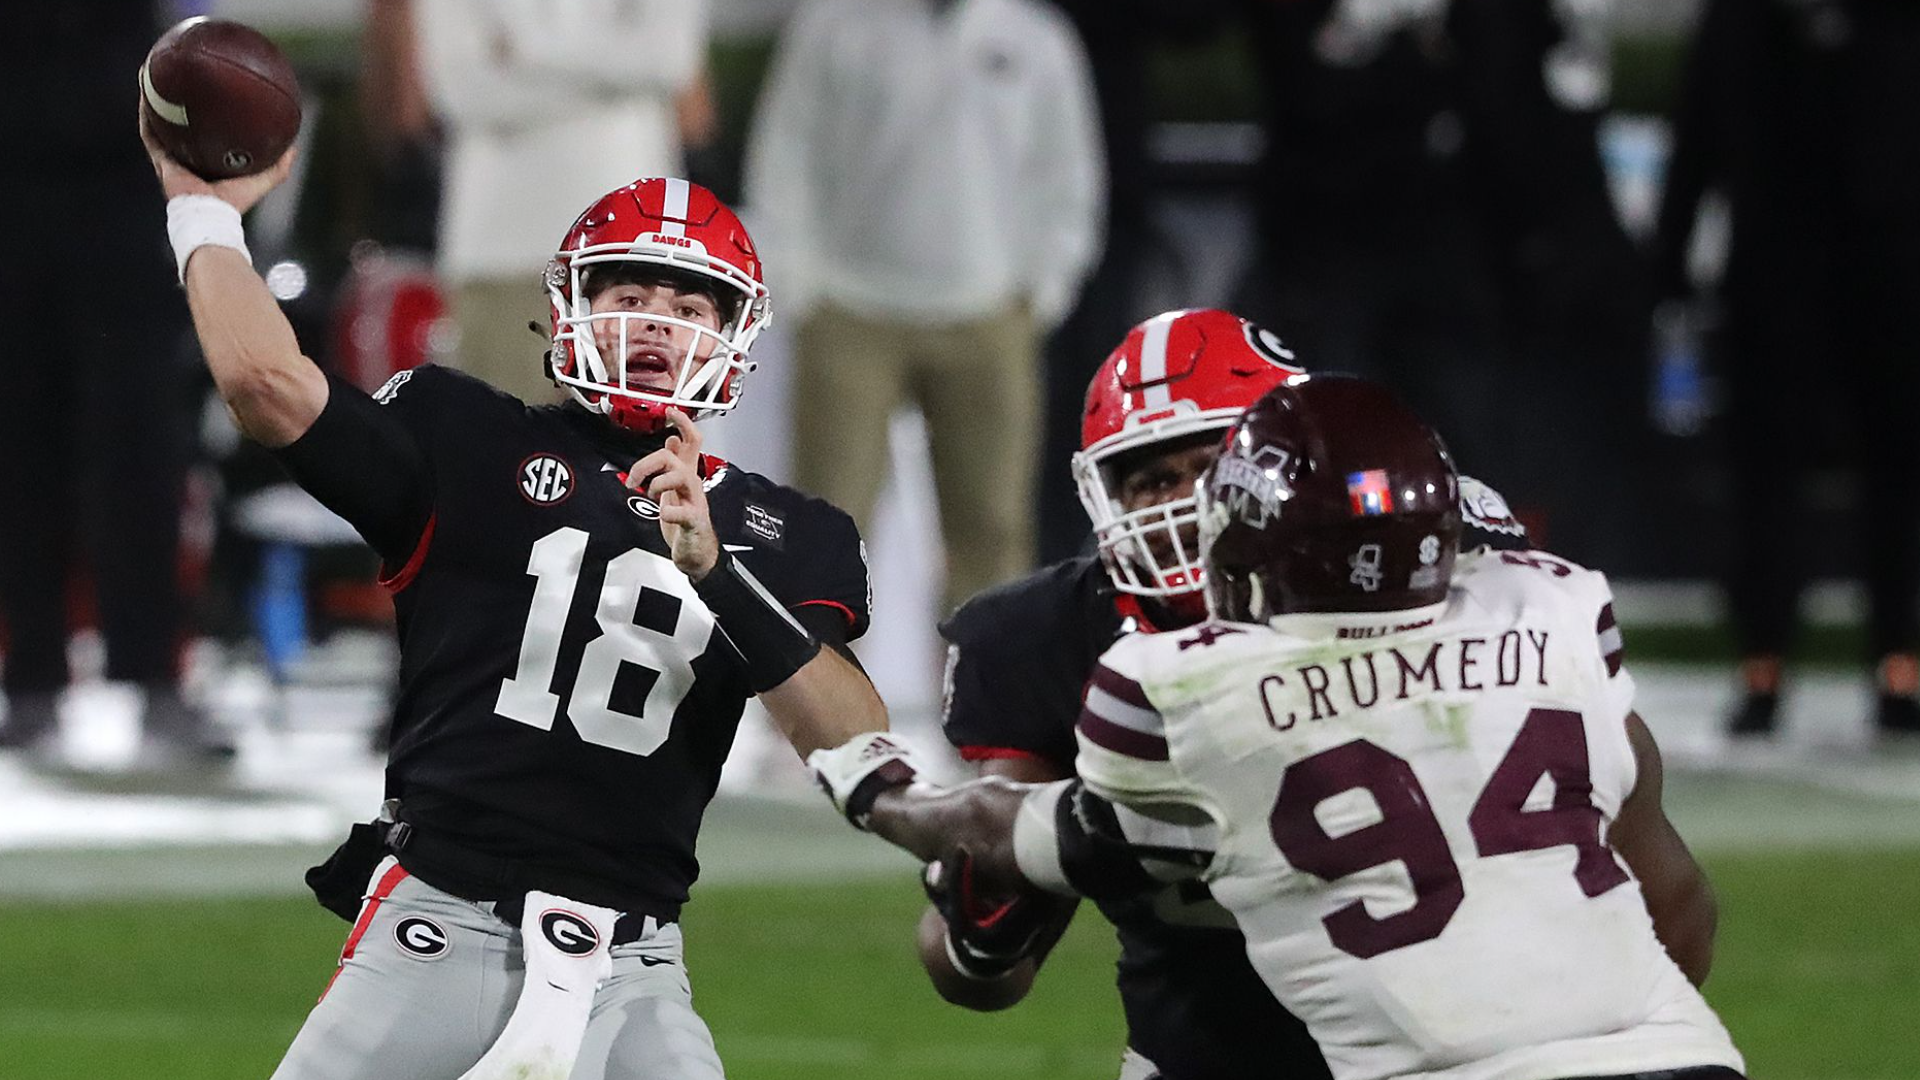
(674,210)
(1153,363)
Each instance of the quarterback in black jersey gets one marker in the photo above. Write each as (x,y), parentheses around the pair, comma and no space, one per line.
(585,601)
(1020,654)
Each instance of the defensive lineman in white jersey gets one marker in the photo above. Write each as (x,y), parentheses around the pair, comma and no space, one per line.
(1410,808)
(1420,788)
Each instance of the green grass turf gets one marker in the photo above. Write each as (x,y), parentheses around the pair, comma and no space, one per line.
(1819,979)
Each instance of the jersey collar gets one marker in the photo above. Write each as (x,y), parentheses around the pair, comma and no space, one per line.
(1337,624)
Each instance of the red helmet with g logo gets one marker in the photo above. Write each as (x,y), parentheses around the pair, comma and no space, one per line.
(681,232)
(1177,375)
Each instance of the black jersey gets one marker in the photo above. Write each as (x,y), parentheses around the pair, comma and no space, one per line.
(565,700)
(1018,663)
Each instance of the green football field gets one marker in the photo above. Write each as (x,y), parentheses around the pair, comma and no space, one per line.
(1818,978)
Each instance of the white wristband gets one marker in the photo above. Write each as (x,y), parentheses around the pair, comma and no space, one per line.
(195,221)
(1036,840)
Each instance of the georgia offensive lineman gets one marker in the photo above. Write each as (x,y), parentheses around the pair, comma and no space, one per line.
(579,631)
(1019,659)
(1414,776)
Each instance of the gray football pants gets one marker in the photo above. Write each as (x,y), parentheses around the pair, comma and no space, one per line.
(427,981)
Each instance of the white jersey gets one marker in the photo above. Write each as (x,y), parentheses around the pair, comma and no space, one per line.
(1410,814)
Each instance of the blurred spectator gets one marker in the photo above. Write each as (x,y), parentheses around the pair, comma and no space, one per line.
(697,116)
(95,402)
(1434,212)
(1118,36)
(1373,258)
(1806,113)
(1535,81)
(927,175)
(403,136)
(547,104)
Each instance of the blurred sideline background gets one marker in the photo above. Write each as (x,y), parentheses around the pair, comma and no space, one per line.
(163,889)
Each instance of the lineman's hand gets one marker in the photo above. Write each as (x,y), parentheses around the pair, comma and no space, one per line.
(670,476)
(241,192)
(992,926)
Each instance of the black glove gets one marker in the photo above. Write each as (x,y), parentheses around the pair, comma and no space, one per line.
(340,883)
(988,935)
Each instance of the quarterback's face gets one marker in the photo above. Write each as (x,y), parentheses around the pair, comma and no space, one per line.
(655,350)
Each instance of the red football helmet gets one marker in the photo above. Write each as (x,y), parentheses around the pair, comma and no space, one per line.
(682,230)
(1177,375)
(1330,495)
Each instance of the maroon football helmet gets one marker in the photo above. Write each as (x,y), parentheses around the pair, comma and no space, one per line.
(1330,495)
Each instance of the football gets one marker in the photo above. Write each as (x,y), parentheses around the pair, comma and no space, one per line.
(220,98)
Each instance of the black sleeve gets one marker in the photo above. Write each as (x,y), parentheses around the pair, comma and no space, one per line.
(829,627)
(1014,680)
(819,569)
(360,461)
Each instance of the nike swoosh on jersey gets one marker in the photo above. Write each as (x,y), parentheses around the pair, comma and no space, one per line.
(654,961)
(608,466)
(738,547)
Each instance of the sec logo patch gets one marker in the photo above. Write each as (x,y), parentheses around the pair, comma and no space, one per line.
(545,480)
(421,938)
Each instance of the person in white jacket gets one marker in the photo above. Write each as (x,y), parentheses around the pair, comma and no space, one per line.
(927,177)
(546,105)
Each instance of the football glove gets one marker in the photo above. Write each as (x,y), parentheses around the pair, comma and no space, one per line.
(854,773)
(988,936)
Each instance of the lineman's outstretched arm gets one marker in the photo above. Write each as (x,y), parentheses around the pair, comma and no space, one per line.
(274,392)
(1676,889)
(1063,837)
(935,939)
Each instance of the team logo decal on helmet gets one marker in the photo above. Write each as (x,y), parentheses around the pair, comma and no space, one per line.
(1179,376)
(1255,487)
(421,937)
(663,229)
(568,932)
(1366,568)
(1486,509)
(1268,345)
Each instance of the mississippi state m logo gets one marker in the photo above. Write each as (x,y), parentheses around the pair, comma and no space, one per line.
(545,480)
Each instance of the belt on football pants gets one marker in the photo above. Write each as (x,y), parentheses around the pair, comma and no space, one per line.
(503,883)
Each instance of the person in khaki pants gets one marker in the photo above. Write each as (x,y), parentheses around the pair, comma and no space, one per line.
(977,384)
(928,178)
(538,123)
